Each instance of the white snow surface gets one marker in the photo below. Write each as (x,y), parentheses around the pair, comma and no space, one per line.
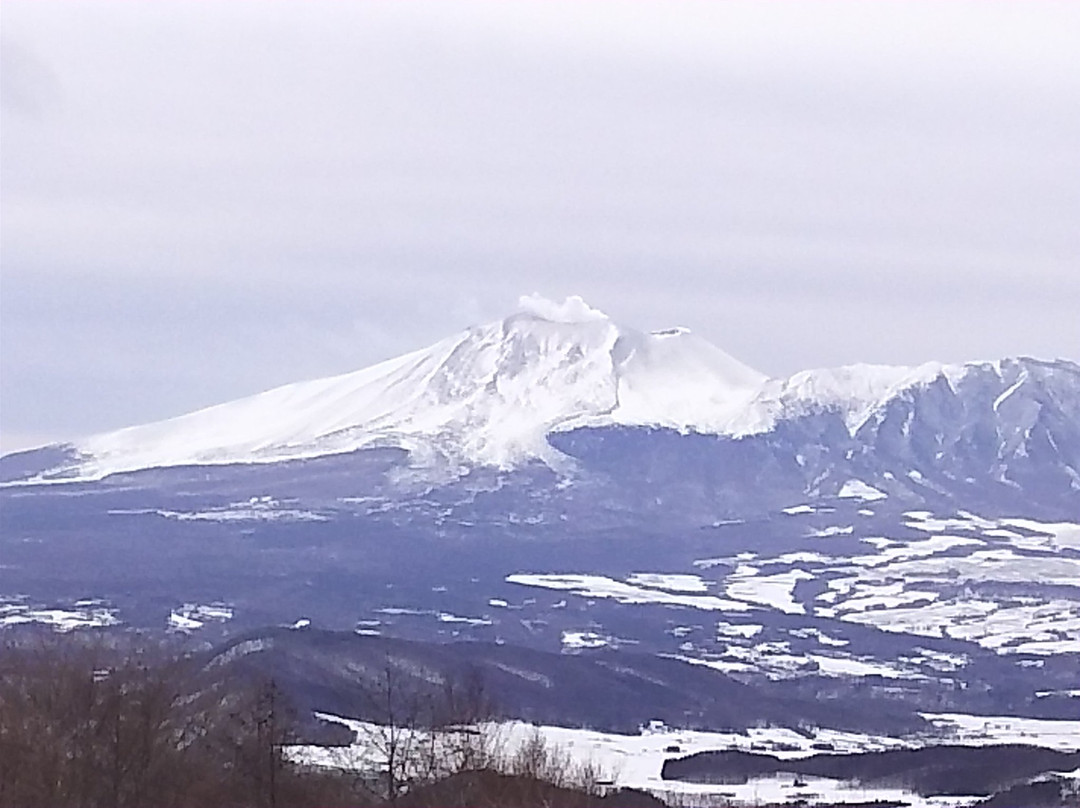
(193,616)
(584,639)
(491,394)
(776,591)
(671,582)
(599,586)
(635,761)
(857,489)
(61,620)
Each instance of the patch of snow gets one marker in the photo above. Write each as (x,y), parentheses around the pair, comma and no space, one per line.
(857,489)
(983,730)
(887,596)
(1063,534)
(879,541)
(816,634)
(964,521)
(939,660)
(671,582)
(991,565)
(64,620)
(851,666)
(747,630)
(572,640)
(179,622)
(833,530)
(446,617)
(800,557)
(933,620)
(1012,389)
(897,551)
(90,615)
(722,665)
(774,591)
(598,586)
(192,616)
(706,563)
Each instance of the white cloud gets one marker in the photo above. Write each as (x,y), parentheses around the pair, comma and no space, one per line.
(572,310)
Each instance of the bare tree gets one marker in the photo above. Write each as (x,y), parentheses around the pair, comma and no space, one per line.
(421,728)
(84,725)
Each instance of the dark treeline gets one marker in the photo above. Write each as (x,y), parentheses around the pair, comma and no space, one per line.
(85,725)
(932,770)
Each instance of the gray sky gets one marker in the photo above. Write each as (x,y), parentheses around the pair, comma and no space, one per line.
(204,200)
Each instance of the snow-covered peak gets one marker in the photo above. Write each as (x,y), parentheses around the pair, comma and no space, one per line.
(854,390)
(489,396)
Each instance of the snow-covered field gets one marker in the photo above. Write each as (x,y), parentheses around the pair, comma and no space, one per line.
(599,586)
(960,576)
(635,761)
(89,613)
(900,587)
(193,616)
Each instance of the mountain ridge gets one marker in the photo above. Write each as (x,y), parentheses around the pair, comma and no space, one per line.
(494,394)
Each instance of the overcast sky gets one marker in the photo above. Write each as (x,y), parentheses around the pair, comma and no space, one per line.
(204,200)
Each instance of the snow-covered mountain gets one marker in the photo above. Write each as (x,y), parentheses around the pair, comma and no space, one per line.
(559,482)
(495,394)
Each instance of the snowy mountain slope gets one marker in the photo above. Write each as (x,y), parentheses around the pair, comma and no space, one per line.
(487,396)
(1016,422)
(492,395)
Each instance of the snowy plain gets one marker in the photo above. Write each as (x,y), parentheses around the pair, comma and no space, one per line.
(635,761)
